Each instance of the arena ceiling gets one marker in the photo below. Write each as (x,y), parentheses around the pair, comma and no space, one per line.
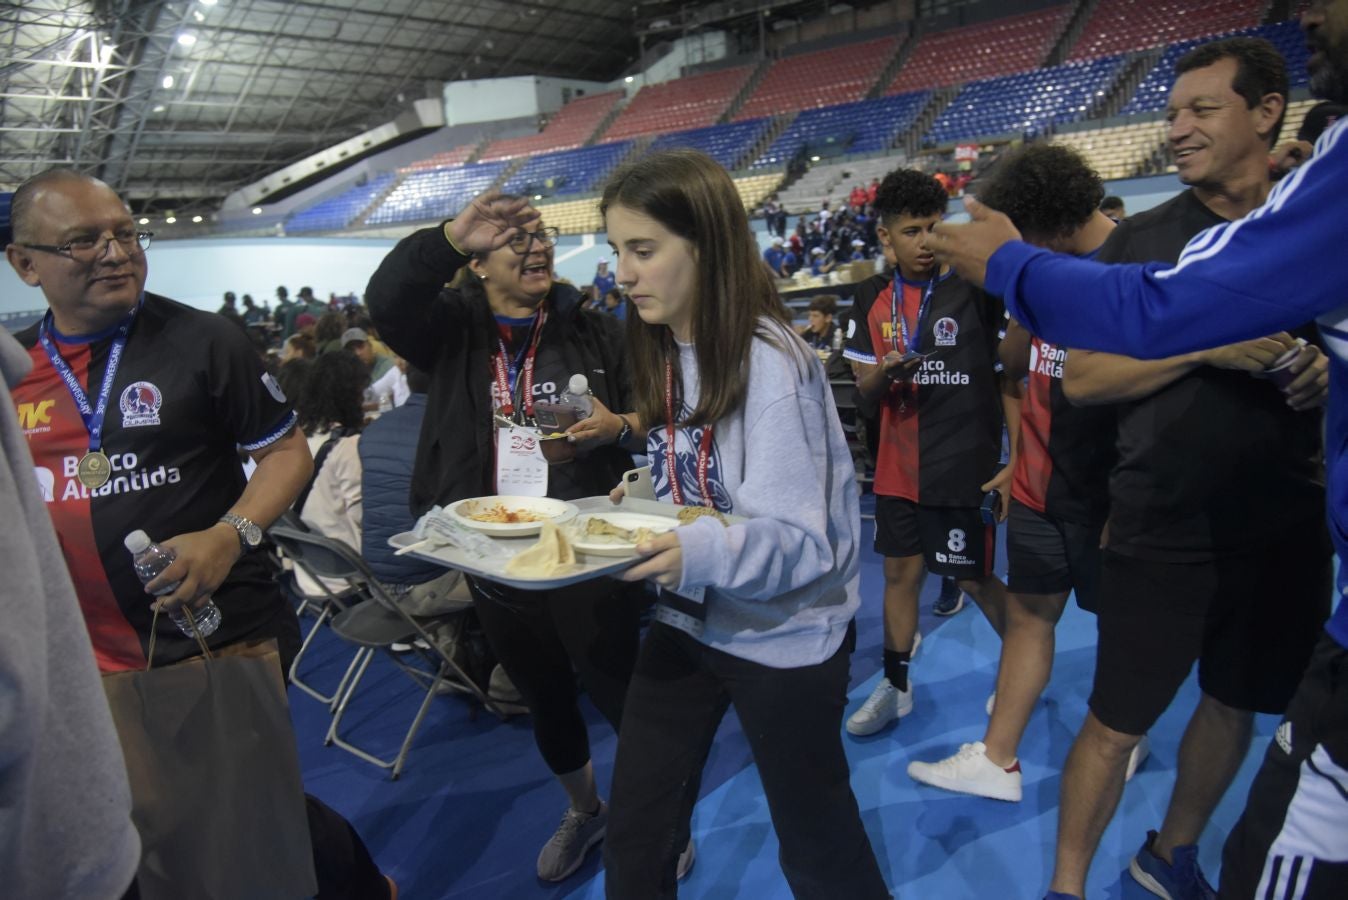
(177,103)
(193,98)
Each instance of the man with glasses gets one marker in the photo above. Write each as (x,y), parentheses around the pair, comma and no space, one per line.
(133,411)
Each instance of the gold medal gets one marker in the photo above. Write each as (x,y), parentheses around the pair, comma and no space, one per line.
(94,469)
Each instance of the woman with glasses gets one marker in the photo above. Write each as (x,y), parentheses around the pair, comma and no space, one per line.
(474,303)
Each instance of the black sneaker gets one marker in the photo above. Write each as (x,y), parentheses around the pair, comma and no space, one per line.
(951,600)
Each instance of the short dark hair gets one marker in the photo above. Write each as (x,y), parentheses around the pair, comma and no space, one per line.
(1260,70)
(912,192)
(1047,190)
(418,380)
(1111,202)
(824,303)
(21,205)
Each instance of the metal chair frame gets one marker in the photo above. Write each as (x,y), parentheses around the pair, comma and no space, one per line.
(334,559)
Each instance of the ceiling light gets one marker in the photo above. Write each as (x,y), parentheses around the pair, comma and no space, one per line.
(144,221)
(198,15)
(257,210)
(629,79)
(207,2)
(196,219)
(186,39)
(160,108)
(814,159)
(167,82)
(171,219)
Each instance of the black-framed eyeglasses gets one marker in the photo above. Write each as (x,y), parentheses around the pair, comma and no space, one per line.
(89,249)
(521,241)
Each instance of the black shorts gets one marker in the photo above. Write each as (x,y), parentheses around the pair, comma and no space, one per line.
(1048,555)
(1292,839)
(951,539)
(1250,621)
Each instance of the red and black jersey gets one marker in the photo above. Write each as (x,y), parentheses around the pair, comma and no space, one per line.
(941,434)
(189,392)
(1215,461)
(1066,451)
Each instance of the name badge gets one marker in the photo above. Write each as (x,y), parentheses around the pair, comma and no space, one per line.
(521,470)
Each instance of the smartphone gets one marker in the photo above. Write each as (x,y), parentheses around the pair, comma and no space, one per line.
(554,416)
(992,507)
(915,354)
(638,483)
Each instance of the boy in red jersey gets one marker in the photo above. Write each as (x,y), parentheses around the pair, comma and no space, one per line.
(927,358)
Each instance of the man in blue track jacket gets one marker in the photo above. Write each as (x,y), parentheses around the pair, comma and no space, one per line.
(1277,267)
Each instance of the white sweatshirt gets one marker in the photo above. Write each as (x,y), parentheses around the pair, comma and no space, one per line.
(781,588)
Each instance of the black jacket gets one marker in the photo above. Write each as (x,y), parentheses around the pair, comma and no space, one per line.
(452,337)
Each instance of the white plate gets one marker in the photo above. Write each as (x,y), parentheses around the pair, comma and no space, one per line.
(614,546)
(558,510)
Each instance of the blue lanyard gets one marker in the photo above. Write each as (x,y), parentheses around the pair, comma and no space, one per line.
(92,415)
(898,322)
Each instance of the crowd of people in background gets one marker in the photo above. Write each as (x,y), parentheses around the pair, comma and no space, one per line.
(357,419)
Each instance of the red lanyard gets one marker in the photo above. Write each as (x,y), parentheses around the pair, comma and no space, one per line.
(703,450)
(505,384)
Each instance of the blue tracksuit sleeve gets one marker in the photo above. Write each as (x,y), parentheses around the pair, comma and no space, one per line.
(1275,269)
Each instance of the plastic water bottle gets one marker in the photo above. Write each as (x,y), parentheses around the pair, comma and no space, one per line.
(149,559)
(577,396)
(837,338)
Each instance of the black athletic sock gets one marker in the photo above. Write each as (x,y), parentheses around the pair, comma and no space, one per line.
(896,668)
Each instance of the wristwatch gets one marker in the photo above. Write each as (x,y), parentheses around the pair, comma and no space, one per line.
(250,535)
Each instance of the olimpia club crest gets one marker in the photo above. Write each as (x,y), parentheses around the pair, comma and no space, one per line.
(140,404)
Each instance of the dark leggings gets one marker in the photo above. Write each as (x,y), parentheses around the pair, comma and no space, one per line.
(543,639)
(792,719)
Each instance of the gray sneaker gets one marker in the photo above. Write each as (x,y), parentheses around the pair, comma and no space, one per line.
(574,837)
(686,859)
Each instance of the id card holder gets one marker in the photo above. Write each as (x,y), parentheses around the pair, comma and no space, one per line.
(521,470)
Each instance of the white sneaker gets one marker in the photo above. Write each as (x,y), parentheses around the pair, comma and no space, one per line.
(917,642)
(1137,757)
(970,772)
(885,704)
(686,860)
(991,704)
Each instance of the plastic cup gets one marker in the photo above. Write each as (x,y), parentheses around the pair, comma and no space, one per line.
(1280,373)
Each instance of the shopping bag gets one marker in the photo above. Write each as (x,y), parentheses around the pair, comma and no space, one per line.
(215,779)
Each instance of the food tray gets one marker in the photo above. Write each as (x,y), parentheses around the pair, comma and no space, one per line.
(589,566)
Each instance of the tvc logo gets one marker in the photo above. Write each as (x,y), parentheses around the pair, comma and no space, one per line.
(32,415)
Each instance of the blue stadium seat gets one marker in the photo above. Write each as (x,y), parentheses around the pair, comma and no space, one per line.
(337,212)
(1154,90)
(435,193)
(867,126)
(727,144)
(568,171)
(1026,103)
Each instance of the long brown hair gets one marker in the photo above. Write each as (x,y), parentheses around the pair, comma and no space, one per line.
(691,195)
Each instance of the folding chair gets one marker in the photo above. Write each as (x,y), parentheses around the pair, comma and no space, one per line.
(373,624)
(327,604)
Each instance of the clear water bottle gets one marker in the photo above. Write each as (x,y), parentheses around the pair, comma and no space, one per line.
(577,396)
(149,559)
(837,339)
